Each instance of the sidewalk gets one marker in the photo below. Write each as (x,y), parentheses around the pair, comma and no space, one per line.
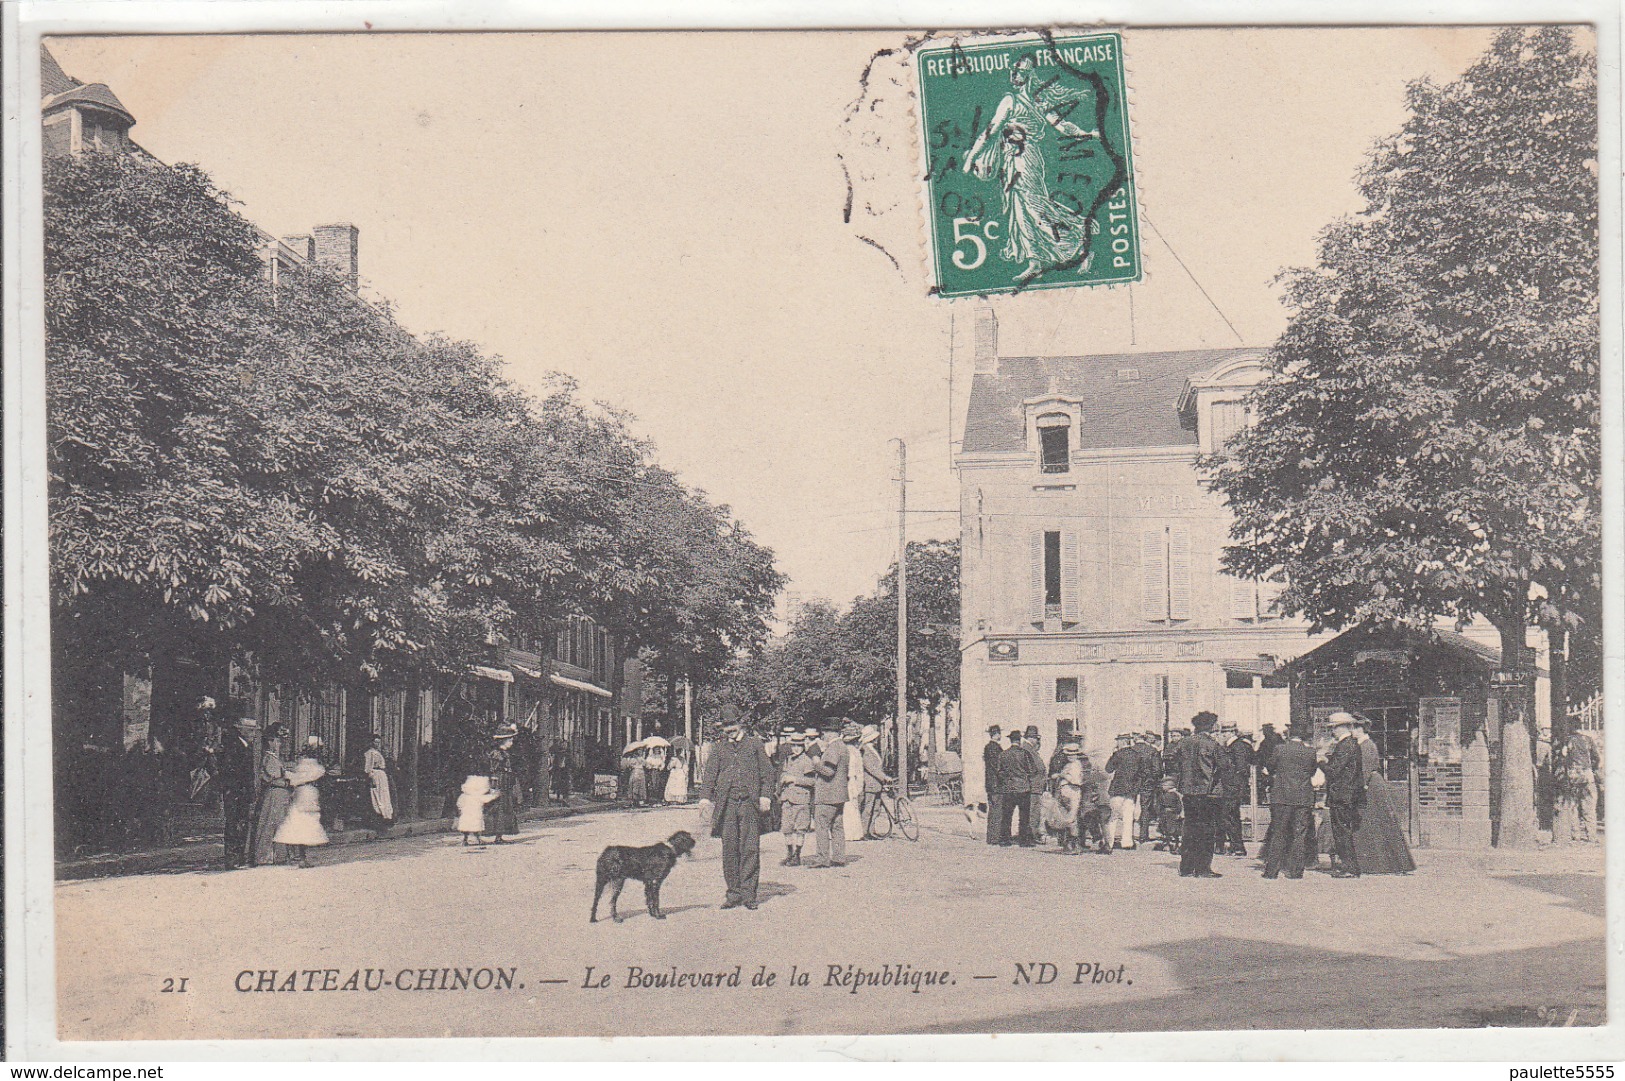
(199,854)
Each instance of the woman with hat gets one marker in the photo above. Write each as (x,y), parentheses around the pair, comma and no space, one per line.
(502,816)
(275,796)
(301,828)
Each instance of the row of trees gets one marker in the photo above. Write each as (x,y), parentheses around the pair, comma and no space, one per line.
(834,664)
(1428,443)
(240,466)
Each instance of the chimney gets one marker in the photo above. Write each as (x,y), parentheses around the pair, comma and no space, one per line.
(302,246)
(338,249)
(987,342)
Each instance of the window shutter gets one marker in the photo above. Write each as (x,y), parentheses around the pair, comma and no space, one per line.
(1037,612)
(1179,572)
(1042,690)
(1153,577)
(1069,576)
(1151,703)
(1193,694)
(1269,594)
(1243,598)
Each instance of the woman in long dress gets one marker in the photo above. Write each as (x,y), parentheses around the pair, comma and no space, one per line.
(376,767)
(1379,839)
(272,806)
(502,816)
(301,829)
(1039,231)
(677,776)
(852,816)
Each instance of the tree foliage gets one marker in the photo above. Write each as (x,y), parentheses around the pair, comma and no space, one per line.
(1427,442)
(844,664)
(236,468)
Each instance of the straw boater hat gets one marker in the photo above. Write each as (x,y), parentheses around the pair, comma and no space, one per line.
(871,734)
(810,733)
(1125,737)
(507,731)
(1071,749)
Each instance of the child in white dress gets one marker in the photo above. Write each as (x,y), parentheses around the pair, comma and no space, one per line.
(471,809)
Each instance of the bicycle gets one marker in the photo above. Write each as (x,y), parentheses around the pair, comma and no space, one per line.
(900,813)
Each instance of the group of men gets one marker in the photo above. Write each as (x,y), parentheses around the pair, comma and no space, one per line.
(812,781)
(1146,782)
(1194,788)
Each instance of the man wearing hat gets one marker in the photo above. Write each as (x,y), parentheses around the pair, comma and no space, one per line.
(830,793)
(1145,745)
(237,762)
(1292,805)
(1345,792)
(736,790)
(874,776)
(991,753)
(1124,765)
(1024,778)
(1198,759)
(1233,768)
(796,782)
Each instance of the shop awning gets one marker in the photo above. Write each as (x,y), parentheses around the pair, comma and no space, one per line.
(526,670)
(501,675)
(579,685)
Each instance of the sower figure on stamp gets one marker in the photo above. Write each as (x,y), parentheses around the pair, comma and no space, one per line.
(736,790)
(1345,792)
(1292,805)
(1198,758)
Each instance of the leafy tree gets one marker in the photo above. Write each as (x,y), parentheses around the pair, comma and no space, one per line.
(1427,443)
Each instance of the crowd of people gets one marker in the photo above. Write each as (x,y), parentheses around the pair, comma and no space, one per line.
(825,781)
(1192,791)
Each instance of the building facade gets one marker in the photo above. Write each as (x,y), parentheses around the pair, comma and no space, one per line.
(1093,601)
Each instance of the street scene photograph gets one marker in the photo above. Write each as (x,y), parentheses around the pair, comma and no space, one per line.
(786,534)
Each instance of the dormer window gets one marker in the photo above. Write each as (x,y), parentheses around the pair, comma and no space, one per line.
(1055,442)
(1228,418)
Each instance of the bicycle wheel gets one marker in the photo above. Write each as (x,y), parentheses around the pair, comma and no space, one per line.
(906,820)
(880,822)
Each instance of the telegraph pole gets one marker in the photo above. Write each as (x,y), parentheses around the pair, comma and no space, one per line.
(902,613)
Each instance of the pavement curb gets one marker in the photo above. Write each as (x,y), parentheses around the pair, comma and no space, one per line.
(148,862)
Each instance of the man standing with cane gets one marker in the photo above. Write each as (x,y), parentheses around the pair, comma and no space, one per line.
(739,777)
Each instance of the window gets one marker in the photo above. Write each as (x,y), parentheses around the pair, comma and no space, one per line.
(1052,574)
(1055,442)
(1165,574)
(1055,588)
(1066,689)
(1227,418)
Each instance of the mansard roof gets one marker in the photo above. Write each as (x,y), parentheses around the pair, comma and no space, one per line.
(1119,410)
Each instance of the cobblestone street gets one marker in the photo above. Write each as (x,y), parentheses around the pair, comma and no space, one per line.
(1469,939)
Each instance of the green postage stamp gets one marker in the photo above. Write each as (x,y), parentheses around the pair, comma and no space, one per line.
(1029,176)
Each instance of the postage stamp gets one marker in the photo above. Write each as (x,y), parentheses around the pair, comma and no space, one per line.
(1030,174)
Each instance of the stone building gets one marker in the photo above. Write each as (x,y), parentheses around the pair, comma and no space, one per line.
(1092,595)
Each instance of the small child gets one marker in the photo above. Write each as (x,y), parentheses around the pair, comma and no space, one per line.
(471,809)
(1170,818)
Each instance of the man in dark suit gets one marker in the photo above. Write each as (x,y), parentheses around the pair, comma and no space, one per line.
(1007,794)
(1292,804)
(1145,745)
(998,831)
(1024,778)
(237,755)
(1266,752)
(738,782)
(1236,772)
(1345,793)
(1198,758)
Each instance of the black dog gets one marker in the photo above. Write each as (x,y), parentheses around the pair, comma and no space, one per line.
(649,866)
